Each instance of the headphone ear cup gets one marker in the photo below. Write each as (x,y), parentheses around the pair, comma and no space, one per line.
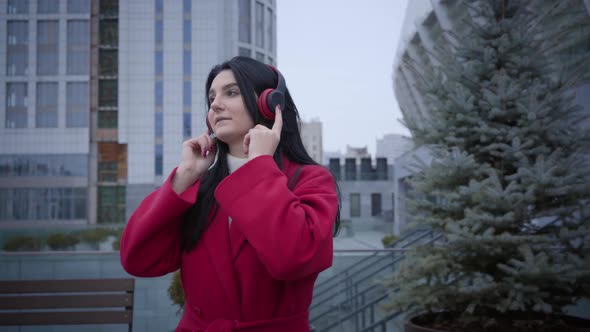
(274,99)
(263,106)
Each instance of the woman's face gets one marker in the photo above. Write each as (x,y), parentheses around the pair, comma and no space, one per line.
(228,115)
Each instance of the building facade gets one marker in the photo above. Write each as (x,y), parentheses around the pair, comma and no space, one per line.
(423,31)
(311,136)
(366,192)
(392,146)
(357,152)
(98,96)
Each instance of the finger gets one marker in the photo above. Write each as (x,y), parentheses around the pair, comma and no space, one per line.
(246,143)
(203,146)
(278,125)
(212,151)
(193,141)
(210,144)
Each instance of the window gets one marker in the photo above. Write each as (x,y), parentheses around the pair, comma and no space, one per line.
(259,24)
(109,7)
(159,92)
(187,6)
(44,165)
(47,47)
(186,31)
(159,159)
(376,208)
(107,119)
(186,94)
(244,21)
(366,169)
(381,169)
(159,124)
(355,205)
(186,125)
(107,93)
(78,6)
(159,63)
(46,112)
(334,167)
(47,6)
(350,169)
(78,51)
(107,63)
(269,29)
(107,171)
(18,7)
(43,203)
(186,63)
(111,204)
(17,51)
(159,31)
(108,33)
(16,105)
(245,52)
(77,105)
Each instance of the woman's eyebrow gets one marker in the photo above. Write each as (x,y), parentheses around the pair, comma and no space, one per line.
(225,87)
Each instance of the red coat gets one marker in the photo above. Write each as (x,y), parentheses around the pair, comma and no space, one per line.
(256,275)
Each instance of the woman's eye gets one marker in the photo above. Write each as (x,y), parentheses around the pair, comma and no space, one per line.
(232,93)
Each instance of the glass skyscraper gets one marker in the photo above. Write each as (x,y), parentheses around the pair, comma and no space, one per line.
(98,95)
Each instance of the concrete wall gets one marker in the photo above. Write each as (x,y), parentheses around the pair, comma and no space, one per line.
(153,310)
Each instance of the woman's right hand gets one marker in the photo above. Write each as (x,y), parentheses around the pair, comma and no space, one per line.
(197,155)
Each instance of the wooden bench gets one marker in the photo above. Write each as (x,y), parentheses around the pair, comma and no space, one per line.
(66,302)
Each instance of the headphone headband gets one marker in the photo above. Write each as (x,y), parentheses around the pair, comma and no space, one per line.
(281,80)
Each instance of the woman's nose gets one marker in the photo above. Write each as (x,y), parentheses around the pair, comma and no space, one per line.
(216,104)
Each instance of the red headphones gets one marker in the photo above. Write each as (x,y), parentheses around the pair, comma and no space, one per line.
(270,98)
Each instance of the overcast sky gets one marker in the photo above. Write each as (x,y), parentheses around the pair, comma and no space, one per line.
(337,58)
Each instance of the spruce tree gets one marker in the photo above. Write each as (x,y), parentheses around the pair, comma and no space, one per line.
(509,184)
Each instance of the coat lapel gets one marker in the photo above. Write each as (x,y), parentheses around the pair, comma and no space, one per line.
(219,249)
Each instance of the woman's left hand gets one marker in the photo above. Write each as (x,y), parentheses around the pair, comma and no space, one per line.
(261,141)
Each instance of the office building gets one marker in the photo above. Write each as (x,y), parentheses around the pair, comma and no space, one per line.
(311,136)
(391,146)
(98,96)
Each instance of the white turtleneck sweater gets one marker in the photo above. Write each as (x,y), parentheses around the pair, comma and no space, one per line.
(234,163)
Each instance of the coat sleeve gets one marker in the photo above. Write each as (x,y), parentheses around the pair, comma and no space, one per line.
(291,231)
(150,245)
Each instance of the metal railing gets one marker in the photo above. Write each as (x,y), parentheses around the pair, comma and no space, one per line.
(353,296)
(326,288)
(364,298)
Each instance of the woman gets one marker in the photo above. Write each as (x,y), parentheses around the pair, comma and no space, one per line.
(247,216)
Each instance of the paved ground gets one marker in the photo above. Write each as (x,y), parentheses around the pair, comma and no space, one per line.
(360,240)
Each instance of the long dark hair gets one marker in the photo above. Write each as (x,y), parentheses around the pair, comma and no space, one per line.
(252,77)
